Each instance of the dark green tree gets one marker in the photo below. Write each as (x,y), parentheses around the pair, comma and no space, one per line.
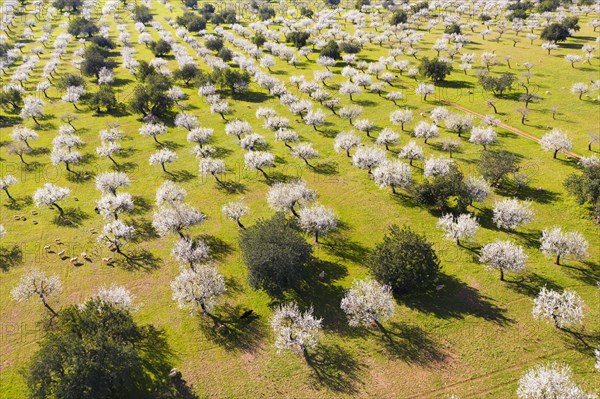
(266,12)
(192,21)
(453,28)
(94,59)
(497,85)
(555,33)
(275,253)
(70,79)
(150,98)
(142,14)
(186,73)
(160,48)
(435,69)
(97,351)
(297,38)
(496,166)
(404,260)
(103,42)
(11,96)
(214,44)
(259,39)
(446,192)
(331,50)
(399,17)
(71,5)
(104,97)
(80,26)
(585,188)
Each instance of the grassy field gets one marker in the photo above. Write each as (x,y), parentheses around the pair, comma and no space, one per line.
(474,338)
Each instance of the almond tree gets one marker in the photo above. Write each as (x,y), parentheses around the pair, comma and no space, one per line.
(437,166)
(294,329)
(23,135)
(483,135)
(116,234)
(259,160)
(198,289)
(175,219)
(191,252)
(35,283)
(238,128)
(6,182)
(512,213)
(555,242)
(580,89)
(368,158)
(315,118)
(33,108)
(562,309)
(305,151)
(550,380)
(368,302)
(285,196)
(556,141)
(153,130)
(393,174)
(210,166)
(504,256)
(317,219)
(387,137)
(350,112)
(117,296)
(200,136)
(345,141)
(457,228)
(235,211)
(162,157)
(477,188)
(170,194)
(49,195)
(113,205)
(411,151)
(287,136)
(424,130)
(401,117)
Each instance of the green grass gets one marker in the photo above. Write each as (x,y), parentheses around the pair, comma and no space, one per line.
(475,337)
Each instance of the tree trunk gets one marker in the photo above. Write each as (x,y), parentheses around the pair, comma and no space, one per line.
(240,224)
(9,196)
(54,314)
(557,261)
(555,152)
(317,236)
(502,274)
(163,167)
(60,210)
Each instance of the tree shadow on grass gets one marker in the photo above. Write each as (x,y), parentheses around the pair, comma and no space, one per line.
(125,166)
(10,257)
(455,301)
(335,368)
(219,249)
(341,245)
(588,274)
(19,203)
(410,343)
(72,217)
(139,260)
(531,284)
(231,187)
(326,168)
(318,290)
(39,151)
(183,390)
(140,205)
(171,145)
(181,175)
(143,230)
(232,332)
(580,340)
